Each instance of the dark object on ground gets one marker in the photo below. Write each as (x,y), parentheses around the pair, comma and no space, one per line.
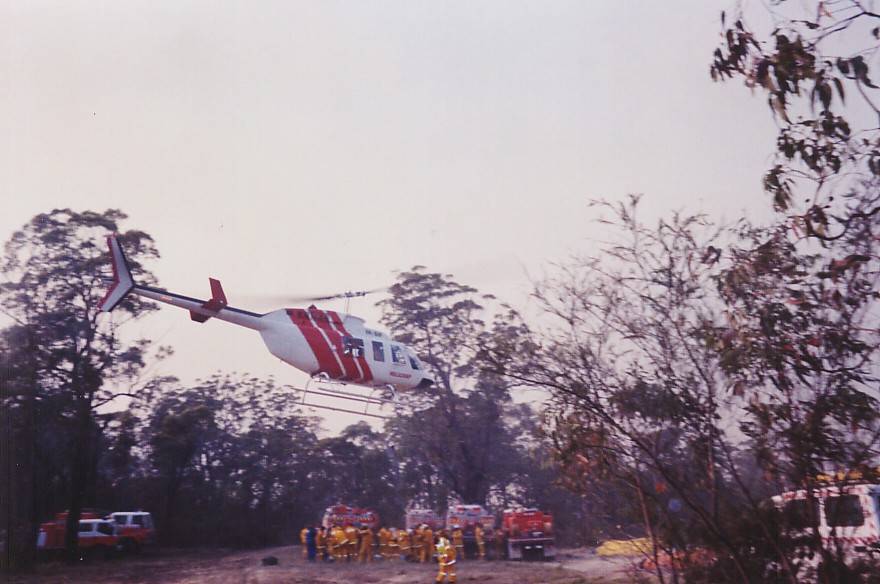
(270,561)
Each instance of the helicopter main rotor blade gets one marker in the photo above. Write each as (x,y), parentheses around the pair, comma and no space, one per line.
(297,299)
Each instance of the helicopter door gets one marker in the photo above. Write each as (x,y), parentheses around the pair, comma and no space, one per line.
(352,346)
(397,355)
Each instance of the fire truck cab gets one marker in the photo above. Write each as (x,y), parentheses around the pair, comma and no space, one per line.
(344,515)
(529,534)
(847,515)
(125,531)
(96,537)
(429,517)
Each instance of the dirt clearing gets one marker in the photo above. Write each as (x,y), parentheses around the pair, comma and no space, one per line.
(246,567)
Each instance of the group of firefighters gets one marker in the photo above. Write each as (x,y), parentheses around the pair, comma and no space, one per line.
(348,543)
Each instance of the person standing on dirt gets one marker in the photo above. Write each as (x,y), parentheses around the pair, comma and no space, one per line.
(481,543)
(366,553)
(393,548)
(458,541)
(311,544)
(321,543)
(351,533)
(417,543)
(427,545)
(403,542)
(446,558)
(302,540)
(340,542)
(383,542)
(500,542)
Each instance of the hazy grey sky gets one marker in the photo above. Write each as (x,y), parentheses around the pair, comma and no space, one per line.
(314,147)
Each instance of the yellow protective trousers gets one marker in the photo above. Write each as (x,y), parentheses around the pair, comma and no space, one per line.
(446,569)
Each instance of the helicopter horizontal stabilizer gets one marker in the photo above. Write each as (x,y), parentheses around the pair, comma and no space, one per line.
(215,304)
(123,283)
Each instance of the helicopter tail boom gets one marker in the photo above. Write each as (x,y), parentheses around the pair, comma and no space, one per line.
(199,310)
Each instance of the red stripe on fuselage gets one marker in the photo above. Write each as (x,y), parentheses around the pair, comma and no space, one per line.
(323,332)
(321,320)
(358,365)
(318,344)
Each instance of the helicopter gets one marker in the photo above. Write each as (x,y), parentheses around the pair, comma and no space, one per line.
(332,347)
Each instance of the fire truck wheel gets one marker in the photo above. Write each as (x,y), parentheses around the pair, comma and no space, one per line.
(129,546)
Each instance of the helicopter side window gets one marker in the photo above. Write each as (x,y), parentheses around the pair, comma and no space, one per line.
(352,346)
(397,355)
(378,351)
(414,363)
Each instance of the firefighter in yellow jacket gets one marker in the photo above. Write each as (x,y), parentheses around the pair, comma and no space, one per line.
(340,544)
(446,558)
(416,543)
(481,541)
(321,544)
(302,539)
(366,553)
(393,548)
(403,541)
(351,549)
(427,545)
(383,542)
(458,541)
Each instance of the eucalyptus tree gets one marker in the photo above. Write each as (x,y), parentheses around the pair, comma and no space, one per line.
(637,393)
(457,441)
(802,342)
(73,358)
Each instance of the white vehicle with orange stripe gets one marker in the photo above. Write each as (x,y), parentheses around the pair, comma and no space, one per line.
(848,516)
(325,344)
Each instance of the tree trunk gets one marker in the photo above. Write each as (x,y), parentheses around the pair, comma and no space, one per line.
(78,477)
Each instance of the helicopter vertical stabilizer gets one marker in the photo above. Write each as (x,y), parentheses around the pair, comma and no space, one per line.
(216,303)
(123,283)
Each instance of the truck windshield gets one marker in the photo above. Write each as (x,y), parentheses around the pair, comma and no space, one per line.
(797,514)
(844,511)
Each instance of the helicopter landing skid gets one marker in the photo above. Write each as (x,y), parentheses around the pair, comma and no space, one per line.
(327,387)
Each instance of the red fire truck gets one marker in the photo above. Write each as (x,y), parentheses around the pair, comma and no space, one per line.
(345,515)
(429,517)
(98,535)
(529,534)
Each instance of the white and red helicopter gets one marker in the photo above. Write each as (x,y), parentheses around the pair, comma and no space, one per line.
(329,346)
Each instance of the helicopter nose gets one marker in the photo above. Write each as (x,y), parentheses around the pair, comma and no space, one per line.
(425,383)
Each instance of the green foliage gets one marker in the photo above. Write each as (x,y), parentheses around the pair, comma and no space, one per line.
(62,359)
(228,452)
(468,442)
(439,319)
(802,334)
(815,67)
(358,468)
